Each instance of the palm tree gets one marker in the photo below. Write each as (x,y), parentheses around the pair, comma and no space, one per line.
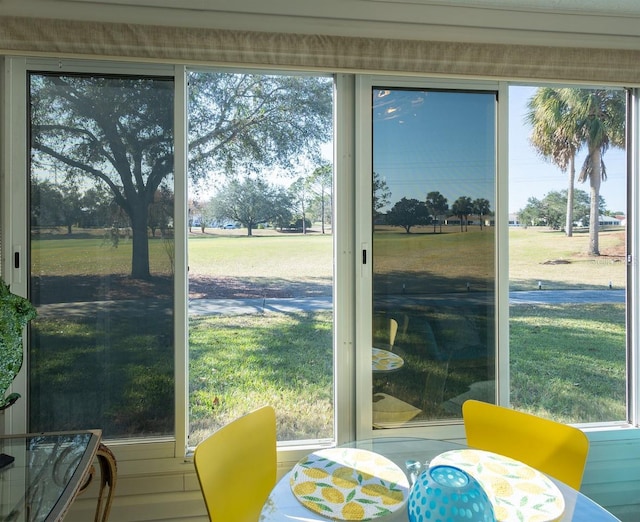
(565,119)
(481,207)
(438,207)
(462,208)
(555,136)
(601,118)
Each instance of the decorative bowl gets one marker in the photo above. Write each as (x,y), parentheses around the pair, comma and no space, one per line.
(448,494)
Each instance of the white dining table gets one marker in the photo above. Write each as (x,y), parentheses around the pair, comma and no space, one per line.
(283,506)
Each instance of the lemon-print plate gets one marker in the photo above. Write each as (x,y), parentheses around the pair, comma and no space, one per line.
(349,484)
(385,361)
(517,491)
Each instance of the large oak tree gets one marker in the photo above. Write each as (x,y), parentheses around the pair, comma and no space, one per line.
(118,131)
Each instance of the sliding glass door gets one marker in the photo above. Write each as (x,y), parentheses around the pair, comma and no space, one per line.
(432,181)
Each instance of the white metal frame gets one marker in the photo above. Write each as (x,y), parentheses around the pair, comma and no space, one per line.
(344,242)
(14,154)
(364,85)
(15,213)
(633,259)
(352,207)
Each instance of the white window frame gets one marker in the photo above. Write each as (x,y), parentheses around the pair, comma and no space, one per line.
(352,187)
(611,430)
(633,258)
(365,84)
(15,236)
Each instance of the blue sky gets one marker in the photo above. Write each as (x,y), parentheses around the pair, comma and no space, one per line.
(434,141)
(443,141)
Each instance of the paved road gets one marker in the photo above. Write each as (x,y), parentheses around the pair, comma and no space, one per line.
(258,306)
(567,296)
(255,306)
(305,304)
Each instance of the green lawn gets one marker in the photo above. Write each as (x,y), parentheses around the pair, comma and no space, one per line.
(578,396)
(567,362)
(266,256)
(110,371)
(240,362)
(557,261)
(89,254)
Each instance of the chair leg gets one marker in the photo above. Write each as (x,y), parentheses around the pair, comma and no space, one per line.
(108,476)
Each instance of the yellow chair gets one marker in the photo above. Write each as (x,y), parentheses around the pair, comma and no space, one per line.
(236,467)
(556,449)
(393,330)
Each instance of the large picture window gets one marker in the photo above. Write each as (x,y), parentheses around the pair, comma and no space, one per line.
(101,254)
(440,186)
(261,252)
(568,232)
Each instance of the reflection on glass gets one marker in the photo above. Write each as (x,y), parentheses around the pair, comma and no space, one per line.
(101,254)
(46,471)
(433,252)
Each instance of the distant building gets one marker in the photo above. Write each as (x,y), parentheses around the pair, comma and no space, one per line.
(606,221)
(514,220)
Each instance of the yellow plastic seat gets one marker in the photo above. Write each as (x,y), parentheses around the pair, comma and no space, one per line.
(393,330)
(556,449)
(236,467)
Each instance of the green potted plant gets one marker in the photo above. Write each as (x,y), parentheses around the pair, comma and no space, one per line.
(15,313)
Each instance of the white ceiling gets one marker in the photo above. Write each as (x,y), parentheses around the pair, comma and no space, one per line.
(594,23)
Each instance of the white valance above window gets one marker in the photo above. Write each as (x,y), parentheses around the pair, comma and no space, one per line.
(330,53)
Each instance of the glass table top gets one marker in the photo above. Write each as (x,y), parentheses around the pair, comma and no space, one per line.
(43,473)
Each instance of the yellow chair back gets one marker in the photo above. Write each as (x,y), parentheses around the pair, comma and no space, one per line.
(556,449)
(236,467)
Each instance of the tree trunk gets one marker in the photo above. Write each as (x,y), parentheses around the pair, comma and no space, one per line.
(304,219)
(572,176)
(140,245)
(594,218)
